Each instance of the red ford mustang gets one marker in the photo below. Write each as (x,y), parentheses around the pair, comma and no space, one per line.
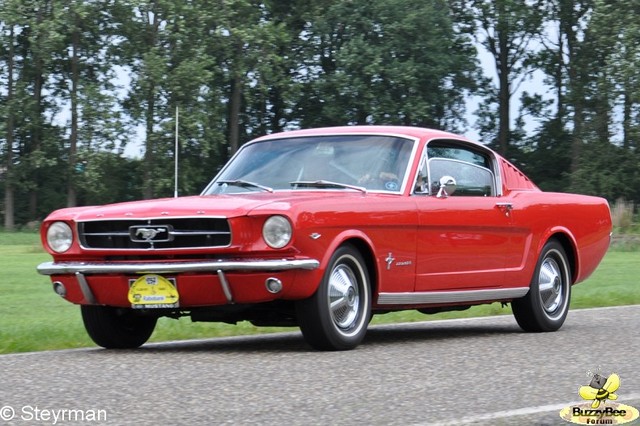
(323,228)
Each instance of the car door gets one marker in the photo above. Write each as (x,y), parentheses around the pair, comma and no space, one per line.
(463,234)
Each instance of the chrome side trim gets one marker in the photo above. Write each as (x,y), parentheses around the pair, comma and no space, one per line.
(423,298)
(61,268)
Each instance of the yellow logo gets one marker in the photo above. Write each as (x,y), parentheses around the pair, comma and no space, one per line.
(600,389)
(599,410)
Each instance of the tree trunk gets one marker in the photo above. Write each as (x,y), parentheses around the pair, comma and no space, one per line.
(9,207)
(234,114)
(504,95)
(153,26)
(149,156)
(73,139)
(627,137)
(37,129)
(559,82)
(575,87)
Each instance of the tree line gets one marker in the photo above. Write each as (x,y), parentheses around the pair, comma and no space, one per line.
(80,80)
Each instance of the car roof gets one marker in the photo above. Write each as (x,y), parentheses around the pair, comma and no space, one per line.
(415,132)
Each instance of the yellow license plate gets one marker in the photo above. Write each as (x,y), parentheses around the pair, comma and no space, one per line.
(153,291)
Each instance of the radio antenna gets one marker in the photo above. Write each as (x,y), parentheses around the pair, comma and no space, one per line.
(175,158)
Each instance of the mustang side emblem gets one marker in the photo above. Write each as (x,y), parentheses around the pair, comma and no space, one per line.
(389,260)
(150,234)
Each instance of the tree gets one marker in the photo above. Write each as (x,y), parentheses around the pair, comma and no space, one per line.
(168,66)
(558,141)
(84,77)
(506,29)
(252,50)
(30,138)
(386,61)
(124,182)
(615,35)
(611,94)
(9,27)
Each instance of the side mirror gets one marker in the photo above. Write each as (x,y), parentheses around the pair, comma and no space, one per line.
(447,186)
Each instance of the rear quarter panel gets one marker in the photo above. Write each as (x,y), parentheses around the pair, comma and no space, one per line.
(582,223)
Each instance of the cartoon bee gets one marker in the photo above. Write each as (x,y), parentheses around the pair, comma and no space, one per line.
(600,388)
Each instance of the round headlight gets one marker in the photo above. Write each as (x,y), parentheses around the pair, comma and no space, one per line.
(277,231)
(59,237)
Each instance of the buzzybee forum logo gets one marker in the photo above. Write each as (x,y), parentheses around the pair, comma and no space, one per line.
(600,408)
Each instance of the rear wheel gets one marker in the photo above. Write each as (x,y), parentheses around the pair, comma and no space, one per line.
(546,305)
(117,328)
(337,315)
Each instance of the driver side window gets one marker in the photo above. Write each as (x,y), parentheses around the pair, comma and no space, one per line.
(470,169)
(470,179)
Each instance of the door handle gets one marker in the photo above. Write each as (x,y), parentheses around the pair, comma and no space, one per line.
(505,207)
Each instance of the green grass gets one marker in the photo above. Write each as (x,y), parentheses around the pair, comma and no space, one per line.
(33,318)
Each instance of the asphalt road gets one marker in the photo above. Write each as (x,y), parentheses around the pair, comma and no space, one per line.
(476,371)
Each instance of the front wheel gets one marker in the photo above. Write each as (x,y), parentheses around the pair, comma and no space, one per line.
(117,328)
(337,315)
(546,305)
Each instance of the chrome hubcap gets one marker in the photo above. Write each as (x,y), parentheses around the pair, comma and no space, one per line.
(550,285)
(344,296)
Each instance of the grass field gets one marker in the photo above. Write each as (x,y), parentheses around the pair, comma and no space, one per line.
(33,318)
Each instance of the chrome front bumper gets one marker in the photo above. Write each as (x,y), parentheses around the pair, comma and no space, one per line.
(89,268)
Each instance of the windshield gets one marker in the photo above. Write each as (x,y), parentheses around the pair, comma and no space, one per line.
(351,162)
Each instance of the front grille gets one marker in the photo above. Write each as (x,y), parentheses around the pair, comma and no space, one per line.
(155,234)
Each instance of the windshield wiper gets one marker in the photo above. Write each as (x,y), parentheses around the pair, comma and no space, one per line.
(327,184)
(244,184)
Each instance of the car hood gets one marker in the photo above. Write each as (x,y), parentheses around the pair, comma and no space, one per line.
(209,205)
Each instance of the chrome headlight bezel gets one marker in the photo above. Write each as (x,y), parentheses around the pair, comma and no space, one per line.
(59,237)
(277,231)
